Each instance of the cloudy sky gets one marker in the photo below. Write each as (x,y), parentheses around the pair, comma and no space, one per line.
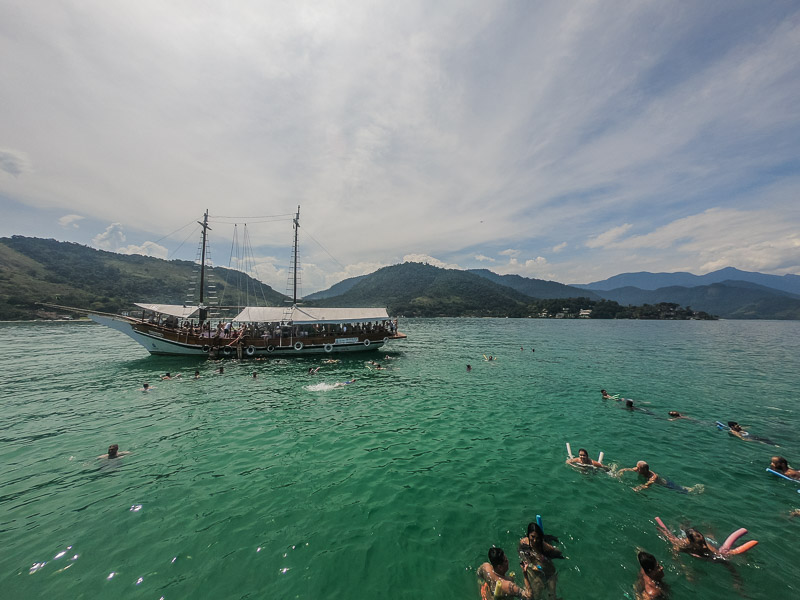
(560,140)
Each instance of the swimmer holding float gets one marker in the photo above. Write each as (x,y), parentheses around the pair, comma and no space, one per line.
(583,459)
(696,545)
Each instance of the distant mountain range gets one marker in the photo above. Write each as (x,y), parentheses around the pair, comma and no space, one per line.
(34,270)
(653,281)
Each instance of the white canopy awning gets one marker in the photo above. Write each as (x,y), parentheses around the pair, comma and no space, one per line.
(310,315)
(174,310)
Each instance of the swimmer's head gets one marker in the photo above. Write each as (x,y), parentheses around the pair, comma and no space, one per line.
(649,564)
(145,385)
(734,425)
(628,403)
(167,374)
(779,463)
(497,557)
(112,450)
(674,413)
(694,536)
(642,466)
(603,392)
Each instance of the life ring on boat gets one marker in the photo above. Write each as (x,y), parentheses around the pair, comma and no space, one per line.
(270,348)
(328,347)
(206,348)
(250,350)
(298,345)
(226,350)
(366,342)
(386,339)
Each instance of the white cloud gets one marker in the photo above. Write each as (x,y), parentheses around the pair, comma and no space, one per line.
(449,128)
(111,239)
(509,252)
(147,249)
(14,162)
(482,258)
(70,221)
(609,237)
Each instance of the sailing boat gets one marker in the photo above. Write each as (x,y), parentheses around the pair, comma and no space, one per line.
(294,330)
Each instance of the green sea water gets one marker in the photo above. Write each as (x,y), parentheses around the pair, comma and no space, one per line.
(394,486)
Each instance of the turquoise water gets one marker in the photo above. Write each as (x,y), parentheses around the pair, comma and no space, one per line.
(397,485)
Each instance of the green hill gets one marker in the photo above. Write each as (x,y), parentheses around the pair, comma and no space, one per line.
(415,289)
(37,270)
(536,288)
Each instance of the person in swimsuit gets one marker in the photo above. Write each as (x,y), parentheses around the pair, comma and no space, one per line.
(495,583)
(780,465)
(607,397)
(583,460)
(536,559)
(675,415)
(649,585)
(113,452)
(694,543)
(736,429)
(643,469)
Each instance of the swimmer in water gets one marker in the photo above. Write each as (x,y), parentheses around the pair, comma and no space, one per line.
(583,460)
(651,574)
(255,375)
(781,465)
(607,397)
(736,429)
(643,469)
(169,376)
(113,452)
(145,387)
(694,543)
(221,370)
(495,580)
(469,368)
(675,415)
(536,559)
(197,375)
(344,383)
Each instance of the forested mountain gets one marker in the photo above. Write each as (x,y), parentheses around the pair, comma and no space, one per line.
(36,270)
(536,288)
(653,281)
(424,290)
(730,299)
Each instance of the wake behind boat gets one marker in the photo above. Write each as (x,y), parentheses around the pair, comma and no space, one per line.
(250,331)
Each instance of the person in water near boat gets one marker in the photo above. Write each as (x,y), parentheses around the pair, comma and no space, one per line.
(496,582)
(197,374)
(168,375)
(735,429)
(255,375)
(113,452)
(781,465)
(221,370)
(344,383)
(536,559)
(651,575)
(145,387)
(583,460)
(643,469)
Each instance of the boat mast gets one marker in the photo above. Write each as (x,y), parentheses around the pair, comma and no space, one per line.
(205,227)
(294,278)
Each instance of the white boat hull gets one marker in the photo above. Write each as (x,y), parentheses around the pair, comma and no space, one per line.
(154,343)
